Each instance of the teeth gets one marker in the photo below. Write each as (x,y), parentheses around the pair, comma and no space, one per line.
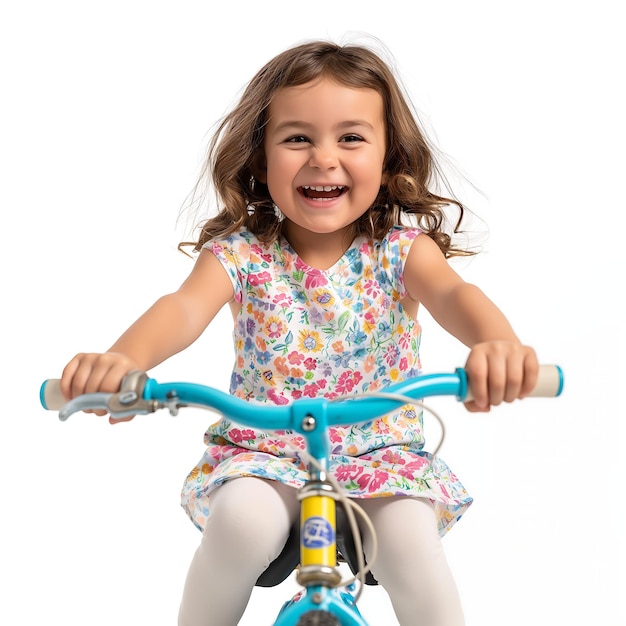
(322,188)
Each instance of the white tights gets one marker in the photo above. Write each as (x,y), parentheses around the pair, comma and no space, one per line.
(248,524)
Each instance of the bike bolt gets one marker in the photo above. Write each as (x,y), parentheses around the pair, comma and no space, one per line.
(308,423)
(316,598)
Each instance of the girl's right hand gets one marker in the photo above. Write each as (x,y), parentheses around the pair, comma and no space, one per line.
(94,372)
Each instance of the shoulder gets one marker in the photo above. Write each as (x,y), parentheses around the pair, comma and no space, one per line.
(233,252)
(427,270)
(239,247)
(239,238)
(400,236)
(425,250)
(388,255)
(395,246)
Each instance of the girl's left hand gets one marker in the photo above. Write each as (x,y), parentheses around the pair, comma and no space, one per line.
(500,371)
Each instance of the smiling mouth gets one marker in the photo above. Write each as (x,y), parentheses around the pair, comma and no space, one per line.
(322,192)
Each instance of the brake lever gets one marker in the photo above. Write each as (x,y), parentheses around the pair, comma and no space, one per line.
(81,403)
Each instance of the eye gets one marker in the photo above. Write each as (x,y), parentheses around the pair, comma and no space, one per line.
(351,138)
(296,139)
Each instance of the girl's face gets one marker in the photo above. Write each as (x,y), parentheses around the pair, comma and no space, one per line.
(324,153)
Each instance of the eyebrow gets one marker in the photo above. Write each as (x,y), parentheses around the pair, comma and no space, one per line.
(301,124)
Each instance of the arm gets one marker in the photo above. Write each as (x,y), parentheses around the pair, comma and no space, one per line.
(173,323)
(499,367)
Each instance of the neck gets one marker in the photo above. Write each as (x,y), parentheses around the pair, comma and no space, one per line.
(318,250)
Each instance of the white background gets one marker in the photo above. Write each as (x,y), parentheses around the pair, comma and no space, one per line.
(106,110)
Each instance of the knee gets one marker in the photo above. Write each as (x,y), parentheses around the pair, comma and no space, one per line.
(248,515)
(234,524)
(407,538)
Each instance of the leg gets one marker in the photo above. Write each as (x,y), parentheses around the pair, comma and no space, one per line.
(248,524)
(411,564)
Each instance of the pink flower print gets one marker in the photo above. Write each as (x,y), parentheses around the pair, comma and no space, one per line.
(311,390)
(261,278)
(220,450)
(264,446)
(297,441)
(347,381)
(391,354)
(275,398)
(259,251)
(295,358)
(393,457)
(363,480)
(404,341)
(366,249)
(334,436)
(279,443)
(315,278)
(404,364)
(237,436)
(371,288)
(410,469)
(379,478)
(347,472)
(310,363)
(370,322)
(281,298)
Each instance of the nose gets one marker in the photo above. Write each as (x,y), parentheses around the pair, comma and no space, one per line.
(324,157)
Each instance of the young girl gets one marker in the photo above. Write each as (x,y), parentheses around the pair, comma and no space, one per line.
(316,169)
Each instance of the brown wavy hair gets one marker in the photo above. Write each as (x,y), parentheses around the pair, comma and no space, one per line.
(236,150)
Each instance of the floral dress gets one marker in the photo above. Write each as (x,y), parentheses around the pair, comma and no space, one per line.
(305,332)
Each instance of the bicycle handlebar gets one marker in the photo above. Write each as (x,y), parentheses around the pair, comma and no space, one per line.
(140,395)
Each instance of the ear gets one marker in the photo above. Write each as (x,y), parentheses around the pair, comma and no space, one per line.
(259,167)
(385,179)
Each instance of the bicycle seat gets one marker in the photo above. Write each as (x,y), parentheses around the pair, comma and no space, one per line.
(287,561)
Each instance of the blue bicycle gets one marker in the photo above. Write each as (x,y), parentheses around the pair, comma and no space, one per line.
(326,533)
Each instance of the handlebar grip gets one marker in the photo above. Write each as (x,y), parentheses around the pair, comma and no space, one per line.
(549,383)
(50,395)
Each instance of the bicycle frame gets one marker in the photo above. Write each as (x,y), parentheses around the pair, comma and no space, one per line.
(318,572)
